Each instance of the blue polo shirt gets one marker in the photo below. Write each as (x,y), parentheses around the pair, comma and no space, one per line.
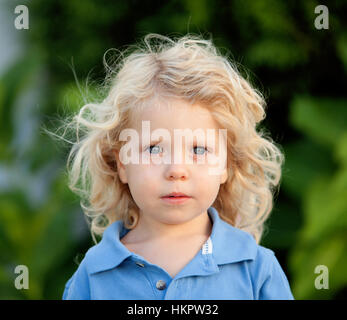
(230,265)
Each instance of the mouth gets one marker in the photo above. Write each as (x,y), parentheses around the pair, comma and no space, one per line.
(176,198)
(176,195)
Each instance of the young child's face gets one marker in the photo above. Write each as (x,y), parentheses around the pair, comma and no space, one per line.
(149,182)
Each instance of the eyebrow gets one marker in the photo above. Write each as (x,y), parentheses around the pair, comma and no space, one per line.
(156,141)
(151,142)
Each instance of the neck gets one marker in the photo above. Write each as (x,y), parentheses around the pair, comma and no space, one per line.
(148,229)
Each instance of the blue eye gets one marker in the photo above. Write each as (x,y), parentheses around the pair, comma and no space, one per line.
(154,146)
(201,149)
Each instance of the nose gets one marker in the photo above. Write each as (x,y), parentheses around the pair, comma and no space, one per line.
(176,172)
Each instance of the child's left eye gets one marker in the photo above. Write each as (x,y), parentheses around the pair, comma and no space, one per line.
(201,150)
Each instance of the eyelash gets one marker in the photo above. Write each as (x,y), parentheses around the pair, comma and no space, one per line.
(154,145)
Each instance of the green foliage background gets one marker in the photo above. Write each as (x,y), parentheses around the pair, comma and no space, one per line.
(301,71)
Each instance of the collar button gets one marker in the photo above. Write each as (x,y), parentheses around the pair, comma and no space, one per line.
(140,264)
(161,285)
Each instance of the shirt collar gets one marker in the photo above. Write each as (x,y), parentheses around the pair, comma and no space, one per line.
(230,244)
(226,244)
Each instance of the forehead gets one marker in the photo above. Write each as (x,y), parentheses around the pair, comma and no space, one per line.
(175,114)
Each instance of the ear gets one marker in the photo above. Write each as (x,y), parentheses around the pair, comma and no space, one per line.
(224,176)
(120,169)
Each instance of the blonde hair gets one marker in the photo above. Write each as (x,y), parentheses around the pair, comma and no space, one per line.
(192,69)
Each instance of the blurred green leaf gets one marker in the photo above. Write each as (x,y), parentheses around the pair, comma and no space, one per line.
(340,152)
(325,206)
(275,53)
(304,161)
(341,46)
(282,227)
(322,119)
(305,257)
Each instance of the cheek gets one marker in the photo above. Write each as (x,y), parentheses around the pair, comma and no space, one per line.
(208,184)
(143,181)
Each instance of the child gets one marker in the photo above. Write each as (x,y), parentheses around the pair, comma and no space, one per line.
(171,226)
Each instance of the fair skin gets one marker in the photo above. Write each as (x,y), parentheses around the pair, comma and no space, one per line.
(170,235)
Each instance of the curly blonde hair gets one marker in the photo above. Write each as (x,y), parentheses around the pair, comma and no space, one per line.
(189,68)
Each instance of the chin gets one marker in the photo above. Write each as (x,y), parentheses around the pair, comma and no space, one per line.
(176,220)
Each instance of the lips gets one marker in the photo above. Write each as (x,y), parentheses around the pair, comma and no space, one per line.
(176,195)
(176,198)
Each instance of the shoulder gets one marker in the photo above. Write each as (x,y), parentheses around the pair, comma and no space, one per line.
(233,245)
(105,255)
(268,277)
(78,286)
(264,255)
(263,260)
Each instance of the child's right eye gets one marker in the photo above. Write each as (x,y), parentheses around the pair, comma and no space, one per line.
(155,147)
